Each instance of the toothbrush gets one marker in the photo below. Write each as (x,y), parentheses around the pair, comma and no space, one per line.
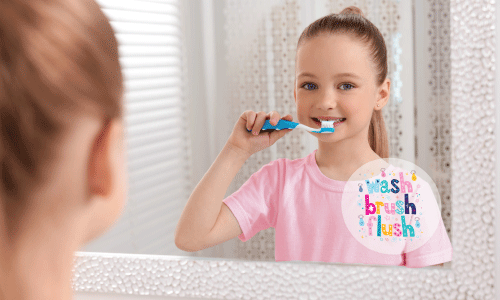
(326,126)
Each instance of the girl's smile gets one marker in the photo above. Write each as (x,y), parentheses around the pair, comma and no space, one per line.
(335,125)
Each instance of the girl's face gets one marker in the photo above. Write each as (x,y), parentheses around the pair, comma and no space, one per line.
(323,89)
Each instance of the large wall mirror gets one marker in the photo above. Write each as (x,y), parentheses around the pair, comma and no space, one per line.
(187,78)
(192,67)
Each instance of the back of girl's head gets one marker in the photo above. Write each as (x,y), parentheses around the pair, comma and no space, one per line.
(351,21)
(58,61)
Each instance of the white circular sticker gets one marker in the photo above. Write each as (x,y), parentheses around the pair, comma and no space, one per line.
(391,206)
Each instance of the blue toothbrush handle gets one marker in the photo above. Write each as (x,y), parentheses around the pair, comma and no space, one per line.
(282,124)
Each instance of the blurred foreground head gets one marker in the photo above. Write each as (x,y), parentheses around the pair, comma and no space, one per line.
(62,158)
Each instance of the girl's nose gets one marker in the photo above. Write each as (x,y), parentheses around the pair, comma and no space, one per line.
(327,100)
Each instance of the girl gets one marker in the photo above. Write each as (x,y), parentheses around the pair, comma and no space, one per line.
(341,69)
(62,156)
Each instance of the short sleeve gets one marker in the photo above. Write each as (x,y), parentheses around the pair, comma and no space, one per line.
(254,204)
(435,251)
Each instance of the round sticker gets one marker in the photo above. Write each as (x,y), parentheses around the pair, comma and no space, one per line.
(391,206)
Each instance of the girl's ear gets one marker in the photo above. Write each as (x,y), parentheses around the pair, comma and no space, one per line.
(99,165)
(384,93)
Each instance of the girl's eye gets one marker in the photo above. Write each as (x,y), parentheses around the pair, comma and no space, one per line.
(348,84)
(309,86)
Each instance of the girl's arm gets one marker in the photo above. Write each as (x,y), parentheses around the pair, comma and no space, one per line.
(204,206)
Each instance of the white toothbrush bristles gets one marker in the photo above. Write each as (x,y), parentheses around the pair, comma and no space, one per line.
(326,124)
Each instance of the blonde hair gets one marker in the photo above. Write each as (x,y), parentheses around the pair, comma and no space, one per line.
(59,61)
(351,20)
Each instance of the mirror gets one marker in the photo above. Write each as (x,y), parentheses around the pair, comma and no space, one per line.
(204,63)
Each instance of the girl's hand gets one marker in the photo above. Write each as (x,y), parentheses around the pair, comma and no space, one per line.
(249,143)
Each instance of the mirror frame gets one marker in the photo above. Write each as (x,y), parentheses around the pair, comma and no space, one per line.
(470,274)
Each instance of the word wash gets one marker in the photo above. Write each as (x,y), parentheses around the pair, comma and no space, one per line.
(403,208)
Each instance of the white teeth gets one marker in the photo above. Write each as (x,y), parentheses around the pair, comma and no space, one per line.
(334,121)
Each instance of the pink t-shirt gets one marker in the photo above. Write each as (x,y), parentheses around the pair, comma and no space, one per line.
(304,207)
